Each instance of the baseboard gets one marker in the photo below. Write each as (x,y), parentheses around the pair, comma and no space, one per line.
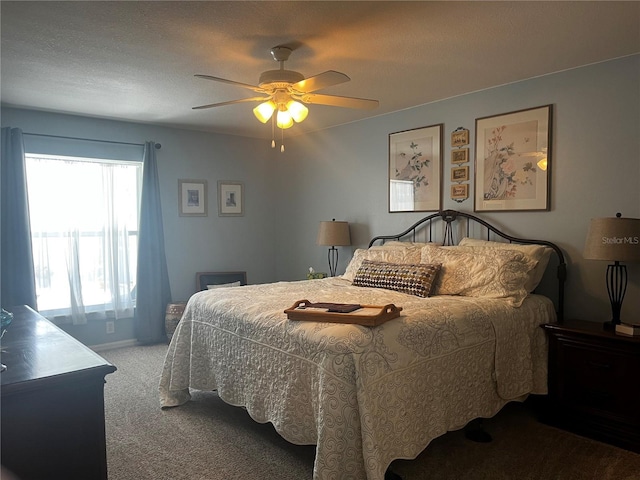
(132,342)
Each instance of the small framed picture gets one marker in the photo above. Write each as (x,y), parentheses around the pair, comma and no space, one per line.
(460,138)
(460,155)
(460,174)
(460,191)
(230,199)
(192,198)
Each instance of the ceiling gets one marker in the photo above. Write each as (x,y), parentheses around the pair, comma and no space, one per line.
(136,61)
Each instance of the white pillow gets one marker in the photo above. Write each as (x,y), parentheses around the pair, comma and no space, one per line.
(223,285)
(481,272)
(539,253)
(388,255)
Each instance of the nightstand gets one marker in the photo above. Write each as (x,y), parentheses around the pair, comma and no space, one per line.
(594,382)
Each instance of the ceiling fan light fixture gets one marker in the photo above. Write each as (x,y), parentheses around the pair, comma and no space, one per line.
(297,110)
(264,111)
(284,119)
(286,91)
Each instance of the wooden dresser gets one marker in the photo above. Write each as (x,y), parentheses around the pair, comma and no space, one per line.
(593,382)
(52,409)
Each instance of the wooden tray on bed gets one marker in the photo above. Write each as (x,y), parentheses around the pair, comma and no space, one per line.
(366,315)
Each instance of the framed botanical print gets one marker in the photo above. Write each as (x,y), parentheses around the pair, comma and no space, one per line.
(513,161)
(415,170)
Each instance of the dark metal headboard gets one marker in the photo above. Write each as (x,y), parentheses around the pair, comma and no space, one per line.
(450,216)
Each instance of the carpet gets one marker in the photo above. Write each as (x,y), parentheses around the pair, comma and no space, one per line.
(210,440)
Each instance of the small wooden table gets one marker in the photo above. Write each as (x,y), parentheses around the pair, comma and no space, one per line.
(52,413)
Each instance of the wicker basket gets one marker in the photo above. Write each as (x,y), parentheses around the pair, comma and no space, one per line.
(172,318)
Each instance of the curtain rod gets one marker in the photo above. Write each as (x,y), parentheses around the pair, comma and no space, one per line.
(158,146)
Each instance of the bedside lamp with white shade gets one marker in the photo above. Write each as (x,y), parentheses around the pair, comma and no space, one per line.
(618,240)
(334,234)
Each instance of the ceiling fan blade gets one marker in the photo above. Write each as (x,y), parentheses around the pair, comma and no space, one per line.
(231,102)
(322,80)
(231,82)
(335,101)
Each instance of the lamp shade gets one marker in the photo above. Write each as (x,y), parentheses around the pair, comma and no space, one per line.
(297,110)
(264,111)
(616,239)
(283,119)
(334,234)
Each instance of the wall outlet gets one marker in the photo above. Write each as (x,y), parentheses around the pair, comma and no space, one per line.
(111,326)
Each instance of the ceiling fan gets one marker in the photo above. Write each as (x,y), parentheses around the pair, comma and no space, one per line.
(286,92)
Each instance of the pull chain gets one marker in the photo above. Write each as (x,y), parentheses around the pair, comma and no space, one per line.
(282,141)
(273,133)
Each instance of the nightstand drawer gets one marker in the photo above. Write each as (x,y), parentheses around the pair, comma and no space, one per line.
(593,382)
(591,377)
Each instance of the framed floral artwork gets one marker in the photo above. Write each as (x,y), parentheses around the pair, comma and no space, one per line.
(513,161)
(192,198)
(415,170)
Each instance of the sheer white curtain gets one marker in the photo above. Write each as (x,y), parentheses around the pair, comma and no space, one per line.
(84,217)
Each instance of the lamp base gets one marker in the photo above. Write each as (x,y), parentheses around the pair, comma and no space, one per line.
(609,326)
(616,288)
(333,260)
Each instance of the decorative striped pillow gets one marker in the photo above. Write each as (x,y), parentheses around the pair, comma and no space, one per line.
(414,279)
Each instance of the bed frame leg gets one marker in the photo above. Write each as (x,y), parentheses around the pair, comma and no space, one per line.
(390,475)
(475,432)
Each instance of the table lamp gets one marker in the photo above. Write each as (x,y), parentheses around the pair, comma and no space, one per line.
(618,240)
(333,234)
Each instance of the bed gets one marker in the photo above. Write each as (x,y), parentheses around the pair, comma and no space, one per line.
(459,351)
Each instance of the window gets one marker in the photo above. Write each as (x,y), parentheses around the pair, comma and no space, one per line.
(84,229)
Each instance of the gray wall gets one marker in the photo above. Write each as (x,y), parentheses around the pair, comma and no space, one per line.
(341,173)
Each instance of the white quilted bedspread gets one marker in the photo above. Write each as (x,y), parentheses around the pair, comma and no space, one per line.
(364,396)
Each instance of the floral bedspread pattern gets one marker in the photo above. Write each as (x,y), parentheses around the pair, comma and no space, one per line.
(364,396)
